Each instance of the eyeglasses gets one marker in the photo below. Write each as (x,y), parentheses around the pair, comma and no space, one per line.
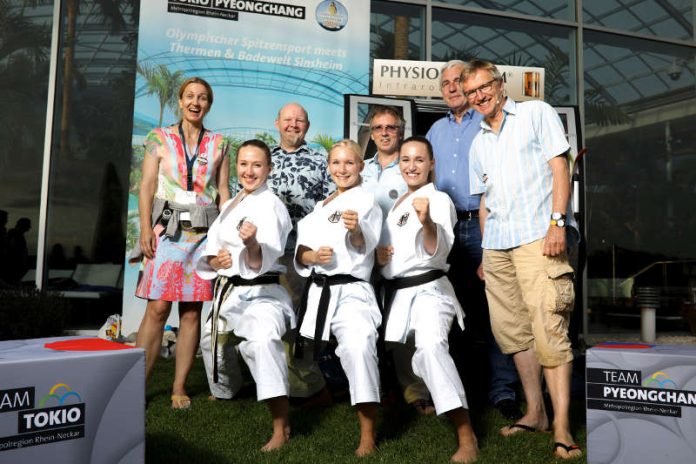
(389,128)
(456,81)
(485,88)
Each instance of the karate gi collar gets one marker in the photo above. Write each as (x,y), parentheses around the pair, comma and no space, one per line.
(224,211)
(423,191)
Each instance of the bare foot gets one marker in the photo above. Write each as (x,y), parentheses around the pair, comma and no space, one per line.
(465,454)
(278,440)
(367,447)
(367,414)
(468,444)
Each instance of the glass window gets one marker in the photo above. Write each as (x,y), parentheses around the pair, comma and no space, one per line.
(640,175)
(24,62)
(397,31)
(91,142)
(509,42)
(557,9)
(661,18)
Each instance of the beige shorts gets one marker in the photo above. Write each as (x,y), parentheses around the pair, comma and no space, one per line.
(530,298)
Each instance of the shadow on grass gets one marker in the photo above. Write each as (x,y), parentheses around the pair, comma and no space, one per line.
(304,421)
(397,419)
(234,431)
(168,447)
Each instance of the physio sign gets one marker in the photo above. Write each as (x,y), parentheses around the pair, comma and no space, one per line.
(59,415)
(409,78)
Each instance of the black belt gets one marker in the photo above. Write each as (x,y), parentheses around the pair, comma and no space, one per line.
(391,286)
(264,279)
(223,286)
(325,281)
(467,215)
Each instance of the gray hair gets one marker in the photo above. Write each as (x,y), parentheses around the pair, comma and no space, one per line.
(449,65)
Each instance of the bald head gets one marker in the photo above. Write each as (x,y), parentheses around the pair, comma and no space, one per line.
(292,124)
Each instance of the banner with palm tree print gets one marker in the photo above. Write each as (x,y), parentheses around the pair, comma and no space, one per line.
(257,55)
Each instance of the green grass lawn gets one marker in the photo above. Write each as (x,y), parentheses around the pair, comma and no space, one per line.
(233,431)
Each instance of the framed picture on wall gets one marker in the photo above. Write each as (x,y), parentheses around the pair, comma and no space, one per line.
(357,111)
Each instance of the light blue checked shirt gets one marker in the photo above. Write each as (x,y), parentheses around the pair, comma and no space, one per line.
(385,184)
(512,169)
(451,142)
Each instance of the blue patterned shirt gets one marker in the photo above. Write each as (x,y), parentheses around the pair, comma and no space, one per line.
(300,179)
(512,168)
(451,143)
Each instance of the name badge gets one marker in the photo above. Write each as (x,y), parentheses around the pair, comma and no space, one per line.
(185,197)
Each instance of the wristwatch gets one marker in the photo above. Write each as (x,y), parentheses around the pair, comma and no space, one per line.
(558,219)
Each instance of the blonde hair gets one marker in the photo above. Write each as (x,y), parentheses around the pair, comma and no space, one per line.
(349,145)
(472,66)
(197,80)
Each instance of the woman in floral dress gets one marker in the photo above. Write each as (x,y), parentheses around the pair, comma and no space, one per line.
(184,169)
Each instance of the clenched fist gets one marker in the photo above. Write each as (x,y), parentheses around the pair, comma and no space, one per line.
(384,254)
(323,255)
(350,220)
(223,260)
(422,207)
(247,232)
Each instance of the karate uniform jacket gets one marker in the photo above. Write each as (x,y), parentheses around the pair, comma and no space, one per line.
(324,227)
(263,209)
(404,232)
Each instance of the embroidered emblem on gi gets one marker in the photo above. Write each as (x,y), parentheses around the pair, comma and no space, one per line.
(335,217)
(485,178)
(241,221)
(402,220)
(393,194)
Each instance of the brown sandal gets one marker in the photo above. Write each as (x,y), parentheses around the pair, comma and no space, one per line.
(180,402)
(568,449)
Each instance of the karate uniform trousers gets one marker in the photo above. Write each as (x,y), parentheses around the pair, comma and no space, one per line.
(250,319)
(423,315)
(353,316)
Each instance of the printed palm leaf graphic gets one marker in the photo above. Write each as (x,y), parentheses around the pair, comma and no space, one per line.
(164,84)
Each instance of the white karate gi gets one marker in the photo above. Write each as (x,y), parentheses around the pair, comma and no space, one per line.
(353,315)
(255,316)
(423,314)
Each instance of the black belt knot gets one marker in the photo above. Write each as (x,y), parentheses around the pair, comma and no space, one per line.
(467,215)
(222,288)
(325,282)
(391,286)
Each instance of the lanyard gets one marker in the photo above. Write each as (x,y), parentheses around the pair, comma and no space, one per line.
(192,159)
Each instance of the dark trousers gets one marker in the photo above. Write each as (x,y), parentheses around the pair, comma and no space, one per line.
(477,338)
